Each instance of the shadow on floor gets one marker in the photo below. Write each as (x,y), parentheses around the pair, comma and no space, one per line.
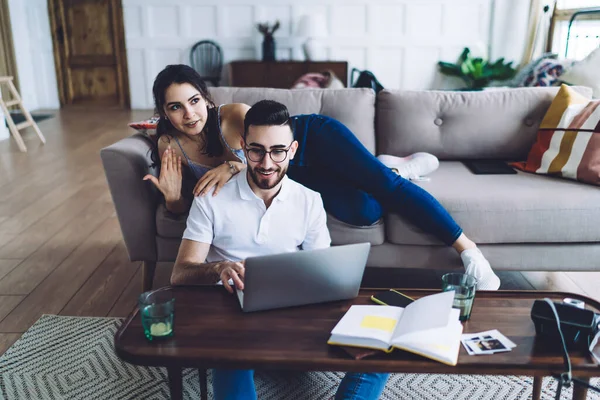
(18,117)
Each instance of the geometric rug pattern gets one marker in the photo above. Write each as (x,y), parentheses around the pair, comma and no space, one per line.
(73,358)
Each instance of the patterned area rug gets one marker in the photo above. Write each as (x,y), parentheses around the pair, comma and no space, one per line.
(73,358)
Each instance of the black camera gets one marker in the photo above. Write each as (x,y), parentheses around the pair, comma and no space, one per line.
(579,326)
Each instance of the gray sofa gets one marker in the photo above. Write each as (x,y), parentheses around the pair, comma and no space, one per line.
(521,222)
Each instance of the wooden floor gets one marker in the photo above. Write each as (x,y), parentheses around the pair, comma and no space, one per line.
(60,245)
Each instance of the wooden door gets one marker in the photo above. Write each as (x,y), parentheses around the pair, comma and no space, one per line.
(89,52)
(7,56)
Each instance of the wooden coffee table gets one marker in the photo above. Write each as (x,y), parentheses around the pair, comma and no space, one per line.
(212,332)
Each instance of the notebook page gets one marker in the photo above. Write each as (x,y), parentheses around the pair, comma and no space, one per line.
(428,312)
(365,321)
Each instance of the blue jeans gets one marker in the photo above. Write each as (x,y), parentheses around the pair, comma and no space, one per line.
(239,385)
(355,186)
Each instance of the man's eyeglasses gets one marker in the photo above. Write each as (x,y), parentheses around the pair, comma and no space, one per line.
(277,155)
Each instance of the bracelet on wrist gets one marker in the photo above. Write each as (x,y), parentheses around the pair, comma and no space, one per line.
(232,167)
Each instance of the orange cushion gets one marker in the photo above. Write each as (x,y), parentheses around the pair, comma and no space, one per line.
(145,125)
(568,140)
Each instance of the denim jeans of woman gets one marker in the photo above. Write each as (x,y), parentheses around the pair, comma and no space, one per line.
(355,186)
(239,385)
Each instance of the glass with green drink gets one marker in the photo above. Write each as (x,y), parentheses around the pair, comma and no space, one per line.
(156,309)
(464,292)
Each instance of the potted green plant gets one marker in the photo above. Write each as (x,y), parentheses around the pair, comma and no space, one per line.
(476,72)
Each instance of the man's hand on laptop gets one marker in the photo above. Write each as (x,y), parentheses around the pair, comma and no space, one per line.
(234,271)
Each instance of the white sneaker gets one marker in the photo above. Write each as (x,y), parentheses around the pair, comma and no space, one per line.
(476,264)
(413,167)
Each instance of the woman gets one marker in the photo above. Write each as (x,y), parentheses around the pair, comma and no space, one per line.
(193,132)
(354,185)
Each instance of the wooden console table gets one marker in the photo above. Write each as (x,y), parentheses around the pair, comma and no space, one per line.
(280,74)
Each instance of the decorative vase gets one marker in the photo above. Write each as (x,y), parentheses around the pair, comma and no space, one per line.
(268,48)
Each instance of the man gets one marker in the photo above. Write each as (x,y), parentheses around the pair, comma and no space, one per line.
(256,213)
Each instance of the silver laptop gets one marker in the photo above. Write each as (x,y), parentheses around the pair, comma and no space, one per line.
(303,277)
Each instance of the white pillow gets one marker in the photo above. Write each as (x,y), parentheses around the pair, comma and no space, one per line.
(585,73)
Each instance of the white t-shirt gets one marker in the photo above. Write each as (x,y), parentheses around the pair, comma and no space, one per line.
(238,225)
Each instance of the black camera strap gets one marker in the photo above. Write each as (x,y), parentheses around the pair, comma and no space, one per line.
(566,378)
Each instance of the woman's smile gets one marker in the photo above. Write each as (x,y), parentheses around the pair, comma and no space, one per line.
(192,124)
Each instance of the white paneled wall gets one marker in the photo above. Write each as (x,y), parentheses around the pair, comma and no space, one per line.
(399,40)
(32,41)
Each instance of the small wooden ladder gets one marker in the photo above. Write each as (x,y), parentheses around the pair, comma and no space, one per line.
(15,128)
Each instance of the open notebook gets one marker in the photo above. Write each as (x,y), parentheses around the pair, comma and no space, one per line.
(429,327)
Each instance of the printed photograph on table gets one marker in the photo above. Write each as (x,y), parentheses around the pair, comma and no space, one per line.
(488,342)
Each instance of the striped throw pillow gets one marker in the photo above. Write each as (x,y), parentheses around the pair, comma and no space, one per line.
(568,140)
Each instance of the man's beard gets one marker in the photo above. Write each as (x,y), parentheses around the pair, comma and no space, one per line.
(264,182)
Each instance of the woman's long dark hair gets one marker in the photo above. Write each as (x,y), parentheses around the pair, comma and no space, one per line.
(180,73)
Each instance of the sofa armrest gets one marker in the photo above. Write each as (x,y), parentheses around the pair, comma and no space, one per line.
(125,164)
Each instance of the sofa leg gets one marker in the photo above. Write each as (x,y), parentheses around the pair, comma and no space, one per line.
(148,275)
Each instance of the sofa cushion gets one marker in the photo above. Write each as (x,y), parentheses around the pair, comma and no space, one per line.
(343,233)
(500,123)
(521,208)
(568,142)
(508,256)
(585,73)
(354,108)
(169,225)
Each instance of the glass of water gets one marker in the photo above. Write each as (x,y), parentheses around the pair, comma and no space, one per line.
(464,292)
(157,309)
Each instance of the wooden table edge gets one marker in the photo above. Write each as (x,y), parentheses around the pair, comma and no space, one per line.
(365,364)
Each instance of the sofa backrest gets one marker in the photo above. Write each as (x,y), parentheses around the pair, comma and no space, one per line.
(355,108)
(499,123)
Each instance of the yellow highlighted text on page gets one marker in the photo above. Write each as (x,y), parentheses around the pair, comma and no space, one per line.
(376,322)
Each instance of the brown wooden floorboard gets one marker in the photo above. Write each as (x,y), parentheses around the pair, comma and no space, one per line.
(28,241)
(23,215)
(7,340)
(5,238)
(8,265)
(50,296)
(128,299)
(589,282)
(8,303)
(556,281)
(583,283)
(46,175)
(514,280)
(70,146)
(97,296)
(31,272)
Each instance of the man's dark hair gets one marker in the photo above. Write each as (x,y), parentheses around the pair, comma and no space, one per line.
(266,113)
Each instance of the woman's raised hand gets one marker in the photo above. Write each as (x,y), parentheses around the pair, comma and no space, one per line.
(169,180)
(216,177)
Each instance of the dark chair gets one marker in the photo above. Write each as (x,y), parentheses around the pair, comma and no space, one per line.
(206,58)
